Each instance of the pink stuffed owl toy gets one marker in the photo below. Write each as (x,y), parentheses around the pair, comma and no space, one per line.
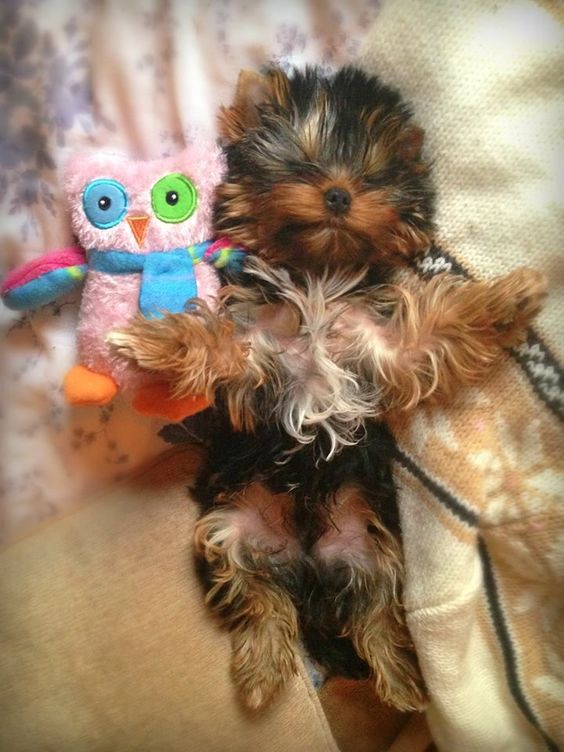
(144,230)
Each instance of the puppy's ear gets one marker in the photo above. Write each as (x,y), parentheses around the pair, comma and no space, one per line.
(253,90)
(411,143)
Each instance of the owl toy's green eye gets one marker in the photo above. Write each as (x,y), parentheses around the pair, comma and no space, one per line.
(174,198)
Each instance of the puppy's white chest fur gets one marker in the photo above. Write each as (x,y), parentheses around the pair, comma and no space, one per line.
(299,338)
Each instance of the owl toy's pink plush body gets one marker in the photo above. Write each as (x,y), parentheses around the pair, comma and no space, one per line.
(144,230)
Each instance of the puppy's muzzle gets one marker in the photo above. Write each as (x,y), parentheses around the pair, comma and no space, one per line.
(338,201)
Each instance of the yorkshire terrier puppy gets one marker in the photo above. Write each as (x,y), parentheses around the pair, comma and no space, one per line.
(312,346)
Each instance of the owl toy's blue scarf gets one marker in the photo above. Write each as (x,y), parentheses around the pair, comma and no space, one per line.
(168,280)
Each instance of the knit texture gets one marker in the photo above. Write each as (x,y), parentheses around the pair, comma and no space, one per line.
(481,481)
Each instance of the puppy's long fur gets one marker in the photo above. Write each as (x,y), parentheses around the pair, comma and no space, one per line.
(311,347)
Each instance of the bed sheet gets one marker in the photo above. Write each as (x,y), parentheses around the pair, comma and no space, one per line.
(140,77)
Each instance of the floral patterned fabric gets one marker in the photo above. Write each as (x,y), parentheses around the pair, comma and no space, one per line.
(143,78)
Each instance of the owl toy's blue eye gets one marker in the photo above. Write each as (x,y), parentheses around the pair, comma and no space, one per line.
(104,202)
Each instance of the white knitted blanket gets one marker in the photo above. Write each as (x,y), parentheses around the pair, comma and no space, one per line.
(482,482)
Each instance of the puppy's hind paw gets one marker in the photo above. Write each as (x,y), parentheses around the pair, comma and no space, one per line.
(261,667)
(407,694)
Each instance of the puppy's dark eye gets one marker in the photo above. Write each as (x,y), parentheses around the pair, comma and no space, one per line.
(104,203)
(172,198)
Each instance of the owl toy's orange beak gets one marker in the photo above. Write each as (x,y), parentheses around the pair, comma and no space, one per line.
(138,227)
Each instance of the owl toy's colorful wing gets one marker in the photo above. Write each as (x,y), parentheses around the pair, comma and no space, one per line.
(44,279)
(208,257)
(222,254)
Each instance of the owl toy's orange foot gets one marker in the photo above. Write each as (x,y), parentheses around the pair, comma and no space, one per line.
(155,401)
(85,387)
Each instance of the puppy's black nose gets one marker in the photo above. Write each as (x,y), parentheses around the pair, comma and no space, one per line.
(338,200)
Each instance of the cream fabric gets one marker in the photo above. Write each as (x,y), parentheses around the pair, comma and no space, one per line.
(107,645)
(482,481)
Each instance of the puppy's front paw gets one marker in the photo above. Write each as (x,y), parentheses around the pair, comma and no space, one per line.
(124,342)
(141,341)
(518,297)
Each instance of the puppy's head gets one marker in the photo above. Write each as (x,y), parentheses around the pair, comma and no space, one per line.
(323,171)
